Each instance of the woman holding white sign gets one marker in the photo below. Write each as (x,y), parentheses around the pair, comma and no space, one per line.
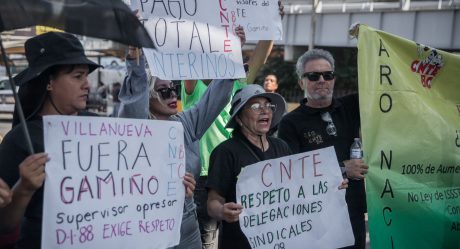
(254,112)
(160,102)
(55,83)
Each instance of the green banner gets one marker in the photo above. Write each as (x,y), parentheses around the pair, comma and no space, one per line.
(409,98)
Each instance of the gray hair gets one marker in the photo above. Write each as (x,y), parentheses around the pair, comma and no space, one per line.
(310,55)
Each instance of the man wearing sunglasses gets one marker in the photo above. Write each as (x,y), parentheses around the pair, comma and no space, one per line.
(322,121)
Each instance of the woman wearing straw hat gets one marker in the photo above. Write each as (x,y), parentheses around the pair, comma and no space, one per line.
(55,83)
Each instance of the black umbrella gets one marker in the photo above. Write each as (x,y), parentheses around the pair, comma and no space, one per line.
(107,19)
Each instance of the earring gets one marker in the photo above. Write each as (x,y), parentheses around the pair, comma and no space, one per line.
(49,87)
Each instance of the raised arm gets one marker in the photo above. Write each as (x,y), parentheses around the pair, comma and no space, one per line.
(189,86)
(134,93)
(191,92)
(258,59)
(261,53)
(198,118)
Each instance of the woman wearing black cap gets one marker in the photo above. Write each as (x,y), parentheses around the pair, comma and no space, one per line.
(55,83)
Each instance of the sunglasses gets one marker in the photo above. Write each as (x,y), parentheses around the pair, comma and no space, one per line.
(166,93)
(314,76)
(258,108)
(330,128)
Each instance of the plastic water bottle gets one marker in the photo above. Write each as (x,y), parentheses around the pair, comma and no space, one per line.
(356,151)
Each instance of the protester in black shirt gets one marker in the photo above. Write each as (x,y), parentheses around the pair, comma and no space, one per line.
(55,83)
(322,121)
(253,112)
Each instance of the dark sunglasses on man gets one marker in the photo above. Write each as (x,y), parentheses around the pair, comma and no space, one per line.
(166,92)
(314,76)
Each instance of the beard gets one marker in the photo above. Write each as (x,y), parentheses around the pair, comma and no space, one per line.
(316,96)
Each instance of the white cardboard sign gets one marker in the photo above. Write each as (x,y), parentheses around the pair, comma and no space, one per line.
(112,183)
(294,201)
(194,40)
(259,18)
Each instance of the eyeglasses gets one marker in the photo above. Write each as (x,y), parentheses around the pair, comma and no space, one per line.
(330,128)
(166,92)
(314,76)
(259,108)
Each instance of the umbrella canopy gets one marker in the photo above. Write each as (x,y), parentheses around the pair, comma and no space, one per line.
(107,19)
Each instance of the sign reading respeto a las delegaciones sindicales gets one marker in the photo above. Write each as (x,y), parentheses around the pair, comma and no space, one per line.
(293,201)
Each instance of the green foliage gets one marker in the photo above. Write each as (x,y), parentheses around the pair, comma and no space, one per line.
(346,69)
(287,78)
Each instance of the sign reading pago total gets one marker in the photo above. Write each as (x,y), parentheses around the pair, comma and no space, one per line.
(193,40)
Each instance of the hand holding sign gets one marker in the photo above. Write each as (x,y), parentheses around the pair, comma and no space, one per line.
(32,172)
(239,31)
(220,210)
(344,184)
(231,212)
(189,183)
(281,9)
(292,200)
(5,194)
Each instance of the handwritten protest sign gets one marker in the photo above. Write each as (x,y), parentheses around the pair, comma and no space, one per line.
(194,40)
(293,201)
(259,18)
(112,183)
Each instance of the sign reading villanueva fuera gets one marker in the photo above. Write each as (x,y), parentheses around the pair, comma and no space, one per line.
(293,202)
(410,119)
(112,183)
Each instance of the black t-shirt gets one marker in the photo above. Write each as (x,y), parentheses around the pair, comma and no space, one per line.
(225,165)
(13,150)
(304,129)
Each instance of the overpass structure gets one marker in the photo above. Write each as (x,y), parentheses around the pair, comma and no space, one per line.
(432,23)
